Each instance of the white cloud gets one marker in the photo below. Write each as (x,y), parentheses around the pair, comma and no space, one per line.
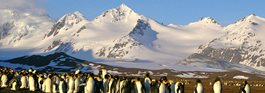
(33,6)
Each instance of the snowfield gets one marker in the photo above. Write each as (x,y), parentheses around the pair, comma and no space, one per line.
(240,77)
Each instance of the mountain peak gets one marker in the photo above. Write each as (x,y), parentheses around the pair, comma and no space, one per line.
(205,21)
(208,20)
(77,13)
(249,18)
(121,13)
(73,16)
(123,7)
(68,21)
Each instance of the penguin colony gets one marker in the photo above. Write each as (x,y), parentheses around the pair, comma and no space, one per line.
(102,83)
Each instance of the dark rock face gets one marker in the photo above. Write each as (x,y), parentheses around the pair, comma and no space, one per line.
(5,28)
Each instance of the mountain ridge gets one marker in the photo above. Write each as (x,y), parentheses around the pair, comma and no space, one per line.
(121,34)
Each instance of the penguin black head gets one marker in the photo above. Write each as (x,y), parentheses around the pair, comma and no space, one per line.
(217,79)
(61,79)
(24,74)
(100,72)
(147,74)
(245,82)
(198,81)
(163,78)
(92,74)
(138,79)
(76,75)
(116,77)
(107,76)
(181,84)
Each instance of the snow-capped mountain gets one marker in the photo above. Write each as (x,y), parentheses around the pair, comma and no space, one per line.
(120,14)
(107,27)
(121,34)
(18,29)
(243,43)
(64,31)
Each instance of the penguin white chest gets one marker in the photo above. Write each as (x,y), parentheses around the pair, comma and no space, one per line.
(199,88)
(23,82)
(14,86)
(62,87)
(162,88)
(48,85)
(217,87)
(247,88)
(138,86)
(71,84)
(177,87)
(104,72)
(4,81)
(121,86)
(147,85)
(31,84)
(89,86)
(77,83)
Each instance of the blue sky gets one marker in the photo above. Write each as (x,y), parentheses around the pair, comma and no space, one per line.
(164,11)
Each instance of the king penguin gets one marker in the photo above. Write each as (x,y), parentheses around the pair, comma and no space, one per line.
(172,86)
(245,88)
(62,86)
(71,84)
(217,86)
(77,83)
(138,86)
(47,85)
(198,87)
(179,87)
(89,88)
(122,85)
(106,83)
(98,85)
(154,86)
(24,81)
(4,80)
(147,83)
(40,81)
(163,87)
(115,84)
(111,80)
(55,83)
(14,83)
(32,82)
